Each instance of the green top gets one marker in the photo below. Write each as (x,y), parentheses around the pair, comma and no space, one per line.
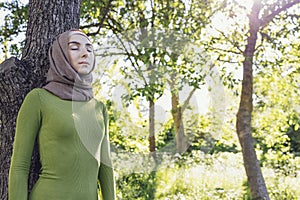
(74,149)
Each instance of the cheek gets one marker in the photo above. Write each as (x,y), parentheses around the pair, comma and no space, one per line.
(91,58)
(72,57)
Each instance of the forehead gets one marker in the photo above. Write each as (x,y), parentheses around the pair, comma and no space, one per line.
(79,38)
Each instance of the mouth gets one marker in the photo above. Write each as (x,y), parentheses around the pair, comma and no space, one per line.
(84,63)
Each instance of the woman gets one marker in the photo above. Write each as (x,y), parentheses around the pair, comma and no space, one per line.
(71,128)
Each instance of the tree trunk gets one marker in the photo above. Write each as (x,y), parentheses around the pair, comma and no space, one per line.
(255,178)
(46,19)
(181,141)
(152,146)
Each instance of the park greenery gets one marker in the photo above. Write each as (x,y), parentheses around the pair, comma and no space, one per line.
(170,73)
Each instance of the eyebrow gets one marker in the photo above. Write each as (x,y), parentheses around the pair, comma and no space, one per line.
(77,43)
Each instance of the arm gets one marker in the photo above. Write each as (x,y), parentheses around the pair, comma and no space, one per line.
(106,174)
(27,127)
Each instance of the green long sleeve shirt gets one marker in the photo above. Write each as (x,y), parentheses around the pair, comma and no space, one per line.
(74,149)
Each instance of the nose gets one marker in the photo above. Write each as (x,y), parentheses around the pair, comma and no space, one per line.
(84,53)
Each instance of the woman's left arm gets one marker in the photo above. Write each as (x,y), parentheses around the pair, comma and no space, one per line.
(106,172)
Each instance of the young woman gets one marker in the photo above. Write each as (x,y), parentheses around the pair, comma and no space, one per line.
(71,128)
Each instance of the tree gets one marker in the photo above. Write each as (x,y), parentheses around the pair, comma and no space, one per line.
(46,19)
(152,36)
(244,116)
(182,41)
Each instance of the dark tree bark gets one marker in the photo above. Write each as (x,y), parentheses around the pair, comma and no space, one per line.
(244,116)
(152,145)
(46,19)
(253,171)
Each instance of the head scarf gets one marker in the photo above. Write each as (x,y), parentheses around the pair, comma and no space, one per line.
(62,79)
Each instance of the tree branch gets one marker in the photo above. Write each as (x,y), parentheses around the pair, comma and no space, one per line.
(265,20)
(129,52)
(186,102)
(234,44)
(100,23)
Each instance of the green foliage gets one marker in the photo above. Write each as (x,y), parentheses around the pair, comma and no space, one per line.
(126,134)
(91,12)
(282,186)
(293,132)
(165,142)
(152,37)
(277,97)
(14,20)
(196,175)
(199,133)
(223,147)
(14,25)
(116,135)
(275,117)
(247,192)
(203,134)
(137,186)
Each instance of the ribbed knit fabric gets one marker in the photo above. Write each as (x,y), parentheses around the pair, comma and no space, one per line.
(74,149)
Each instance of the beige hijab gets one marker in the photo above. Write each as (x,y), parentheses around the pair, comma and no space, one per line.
(62,80)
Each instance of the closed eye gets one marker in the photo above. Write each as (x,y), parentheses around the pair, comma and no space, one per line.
(76,46)
(73,46)
(89,48)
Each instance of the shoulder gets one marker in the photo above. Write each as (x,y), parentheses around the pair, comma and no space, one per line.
(33,94)
(32,100)
(40,93)
(37,92)
(36,95)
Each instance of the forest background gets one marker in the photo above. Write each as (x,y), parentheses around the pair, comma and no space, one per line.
(171,75)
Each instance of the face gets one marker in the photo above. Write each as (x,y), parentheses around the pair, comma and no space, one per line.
(81,54)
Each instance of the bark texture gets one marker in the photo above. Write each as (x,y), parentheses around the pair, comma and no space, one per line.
(152,145)
(46,19)
(255,178)
(181,141)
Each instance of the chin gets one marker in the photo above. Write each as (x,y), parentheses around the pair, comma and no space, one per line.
(84,71)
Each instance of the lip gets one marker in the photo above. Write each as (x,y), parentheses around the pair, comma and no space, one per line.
(84,63)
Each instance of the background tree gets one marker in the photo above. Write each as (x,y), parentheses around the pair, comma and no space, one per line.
(46,19)
(153,37)
(233,52)
(257,21)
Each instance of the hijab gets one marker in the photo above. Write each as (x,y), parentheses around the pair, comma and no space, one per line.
(62,79)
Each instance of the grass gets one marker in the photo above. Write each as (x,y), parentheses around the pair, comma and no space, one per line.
(195,176)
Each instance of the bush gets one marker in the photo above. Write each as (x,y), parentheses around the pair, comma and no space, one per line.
(136,186)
